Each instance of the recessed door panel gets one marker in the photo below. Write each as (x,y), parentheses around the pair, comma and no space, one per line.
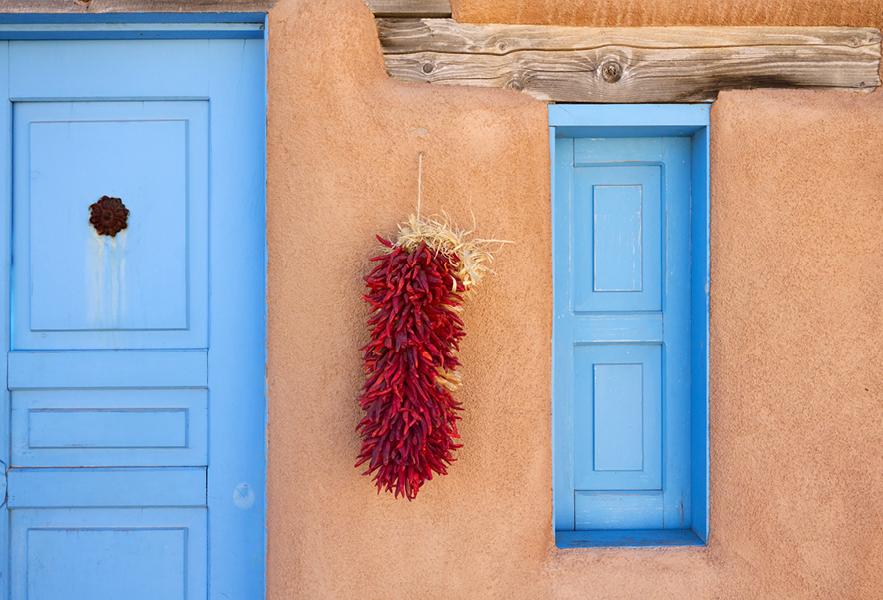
(617,408)
(142,554)
(617,238)
(110,428)
(618,249)
(145,286)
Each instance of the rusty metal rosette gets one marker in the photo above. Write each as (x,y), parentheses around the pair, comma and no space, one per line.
(109,216)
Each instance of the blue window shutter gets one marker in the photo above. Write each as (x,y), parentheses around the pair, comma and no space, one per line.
(623,352)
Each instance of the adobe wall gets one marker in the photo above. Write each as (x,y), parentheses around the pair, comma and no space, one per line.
(667,13)
(796,325)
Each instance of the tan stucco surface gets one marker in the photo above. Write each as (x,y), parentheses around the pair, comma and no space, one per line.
(796,325)
(666,13)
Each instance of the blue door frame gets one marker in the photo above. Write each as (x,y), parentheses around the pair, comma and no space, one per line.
(174,382)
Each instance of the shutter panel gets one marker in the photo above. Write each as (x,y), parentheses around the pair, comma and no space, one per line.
(622,333)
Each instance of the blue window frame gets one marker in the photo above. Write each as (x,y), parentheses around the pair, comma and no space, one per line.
(630,337)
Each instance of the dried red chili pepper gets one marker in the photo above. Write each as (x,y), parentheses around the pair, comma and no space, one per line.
(410,423)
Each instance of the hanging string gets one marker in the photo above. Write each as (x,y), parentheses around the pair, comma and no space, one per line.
(419,182)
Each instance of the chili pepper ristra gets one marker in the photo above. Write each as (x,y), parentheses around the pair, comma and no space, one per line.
(415,291)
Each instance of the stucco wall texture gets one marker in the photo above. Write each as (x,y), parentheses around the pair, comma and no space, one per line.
(667,13)
(796,337)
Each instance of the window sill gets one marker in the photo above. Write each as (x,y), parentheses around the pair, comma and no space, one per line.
(633,538)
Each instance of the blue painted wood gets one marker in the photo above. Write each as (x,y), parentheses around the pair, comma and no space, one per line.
(266,422)
(132,31)
(618,403)
(622,247)
(628,121)
(618,510)
(563,336)
(621,327)
(628,455)
(118,368)
(617,139)
(71,19)
(156,558)
(700,227)
(111,70)
(107,554)
(67,428)
(237,374)
(599,151)
(677,380)
(132,26)
(617,240)
(688,118)
(107,428)
(641,538)
(136,487)
(187,336)
(5,279)
(146,287)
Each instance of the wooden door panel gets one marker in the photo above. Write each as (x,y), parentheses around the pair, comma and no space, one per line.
(101,369)
(617,248)
(112,69)
(108,428)
(145,287)
(106,487)
(107,554)
(618,510)
(617,419)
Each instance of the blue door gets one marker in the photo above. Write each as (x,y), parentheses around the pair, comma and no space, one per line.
(135,290)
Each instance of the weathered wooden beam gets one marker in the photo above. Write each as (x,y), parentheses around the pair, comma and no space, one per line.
(410,8)
(671,64)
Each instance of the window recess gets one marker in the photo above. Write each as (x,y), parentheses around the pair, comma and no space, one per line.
(630,336)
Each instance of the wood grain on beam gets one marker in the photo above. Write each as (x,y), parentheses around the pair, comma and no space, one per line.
(410,8)
(672,64)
